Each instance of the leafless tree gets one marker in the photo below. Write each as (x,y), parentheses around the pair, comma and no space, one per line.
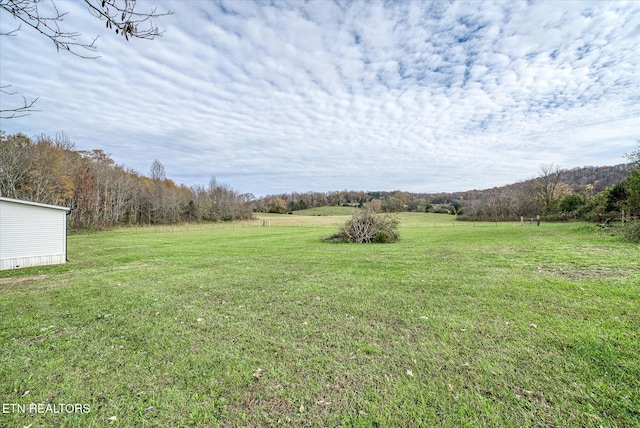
(198,207)
(546,183)
(226,203)
(634,157)
(157,196)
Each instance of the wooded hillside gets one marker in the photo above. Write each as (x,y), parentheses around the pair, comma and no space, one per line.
(541,195)
(103,194)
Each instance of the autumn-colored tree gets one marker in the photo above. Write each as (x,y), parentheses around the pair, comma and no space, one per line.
(393,204)
(84,190)
(376,205)
(16,158)
(277,205)
(36,171)
(103,194)
(50,179)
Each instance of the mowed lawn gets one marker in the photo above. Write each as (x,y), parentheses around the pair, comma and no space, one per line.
(237,325)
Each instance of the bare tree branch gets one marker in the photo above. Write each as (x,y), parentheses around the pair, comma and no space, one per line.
(12,33)
(24,110)
(634,156)
(29,13)
(546,184)
(119,15)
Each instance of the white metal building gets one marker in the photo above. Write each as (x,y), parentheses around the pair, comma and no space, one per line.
(32,234)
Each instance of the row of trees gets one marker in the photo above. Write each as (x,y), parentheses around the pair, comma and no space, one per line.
(394,201)
(103,194)
(580,193)
(528,198)
(552,197)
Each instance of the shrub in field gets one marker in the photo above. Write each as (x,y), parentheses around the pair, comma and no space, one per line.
(366,226)
(631,231)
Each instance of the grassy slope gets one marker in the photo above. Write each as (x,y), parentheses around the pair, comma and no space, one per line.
(452,326)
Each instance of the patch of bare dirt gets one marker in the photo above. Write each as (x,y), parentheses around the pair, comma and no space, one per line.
(11,281)
(590,272)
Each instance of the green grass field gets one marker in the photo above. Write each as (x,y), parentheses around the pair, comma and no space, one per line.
(237,325)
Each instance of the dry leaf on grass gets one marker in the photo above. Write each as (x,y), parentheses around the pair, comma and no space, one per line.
(258,374)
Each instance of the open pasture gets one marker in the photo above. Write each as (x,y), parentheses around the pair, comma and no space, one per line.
(239,325)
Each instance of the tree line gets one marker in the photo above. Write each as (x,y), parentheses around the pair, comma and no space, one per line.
(587,193)
(103,194)
(381,201)
(557,195)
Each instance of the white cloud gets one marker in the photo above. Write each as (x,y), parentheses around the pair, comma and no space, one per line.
(299,96)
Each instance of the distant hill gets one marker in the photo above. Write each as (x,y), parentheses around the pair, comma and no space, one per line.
(599,177)
(577,178)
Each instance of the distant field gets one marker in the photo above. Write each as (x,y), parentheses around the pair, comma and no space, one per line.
(457,324)
(326,211)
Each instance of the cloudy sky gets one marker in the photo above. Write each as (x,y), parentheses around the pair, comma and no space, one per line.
(273,97)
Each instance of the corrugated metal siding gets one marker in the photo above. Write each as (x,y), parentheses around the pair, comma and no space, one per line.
(23,262)
(31,235)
